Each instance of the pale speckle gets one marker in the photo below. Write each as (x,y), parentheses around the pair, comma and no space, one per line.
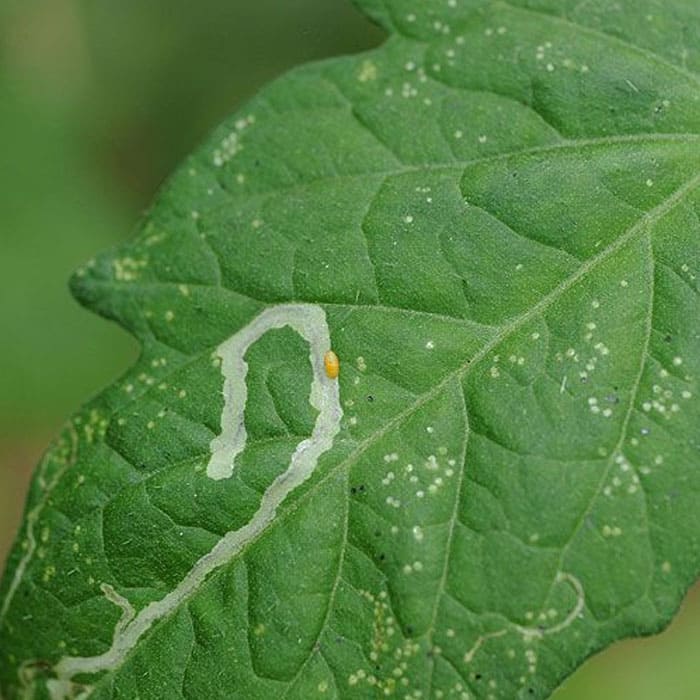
(368,71)
(49,573)
(611,531)
(128,269)
(231,144)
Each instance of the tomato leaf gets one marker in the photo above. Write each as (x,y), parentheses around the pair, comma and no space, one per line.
(493,221)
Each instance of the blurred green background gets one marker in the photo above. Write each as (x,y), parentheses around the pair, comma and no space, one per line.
(98,102)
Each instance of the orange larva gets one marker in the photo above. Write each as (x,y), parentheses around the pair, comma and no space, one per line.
(332,365)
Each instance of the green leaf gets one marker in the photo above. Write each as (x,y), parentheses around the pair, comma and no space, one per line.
(494,222)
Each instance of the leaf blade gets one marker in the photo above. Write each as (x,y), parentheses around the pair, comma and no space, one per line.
(514,269)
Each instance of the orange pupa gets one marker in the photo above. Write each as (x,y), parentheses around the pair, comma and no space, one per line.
(331,364)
